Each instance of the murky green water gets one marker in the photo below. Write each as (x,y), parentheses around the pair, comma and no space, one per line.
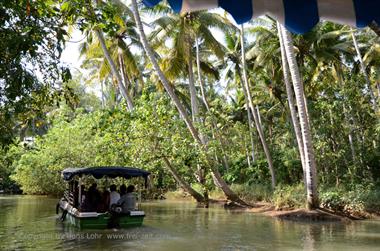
(29,223)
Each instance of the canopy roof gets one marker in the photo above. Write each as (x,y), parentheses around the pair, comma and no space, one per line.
(299,16)
(108,171)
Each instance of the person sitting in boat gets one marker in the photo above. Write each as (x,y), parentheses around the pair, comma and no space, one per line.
(114,196)
(105,201)
(76,194)
(127,199)
(94,198)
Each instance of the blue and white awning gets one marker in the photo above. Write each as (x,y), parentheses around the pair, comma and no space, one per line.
(298,16)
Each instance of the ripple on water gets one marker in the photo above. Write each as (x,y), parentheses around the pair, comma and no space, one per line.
(30,223)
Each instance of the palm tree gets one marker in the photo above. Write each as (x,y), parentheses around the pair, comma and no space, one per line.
(233,54)
(364,71)
(292,105)
(119,57)
(254,111)
(309,158)
(197,196)
(216,175)
(114,69)
(185,31)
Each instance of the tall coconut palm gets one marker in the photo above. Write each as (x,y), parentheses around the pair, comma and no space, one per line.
(99,34)
(120,45)
(364,71)
(222,184)
(185,31)
(233,54)
(197,196)
(309,158)
(254,111)
(114,69)
(291,103)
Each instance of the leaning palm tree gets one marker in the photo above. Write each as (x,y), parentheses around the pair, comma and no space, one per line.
(309,158)
(120,78)
(169,89)
(254,112)
(233,72)
(185,31)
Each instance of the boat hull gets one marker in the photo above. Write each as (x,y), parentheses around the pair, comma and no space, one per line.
(93,220)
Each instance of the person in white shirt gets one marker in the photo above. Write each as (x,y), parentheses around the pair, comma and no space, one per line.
(114,195)
(127,199)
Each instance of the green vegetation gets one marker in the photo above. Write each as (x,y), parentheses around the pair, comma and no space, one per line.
(229,127)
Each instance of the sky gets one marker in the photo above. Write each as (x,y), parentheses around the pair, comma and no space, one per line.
(70,55)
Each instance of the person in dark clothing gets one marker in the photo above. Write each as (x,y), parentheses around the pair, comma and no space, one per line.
(103,206)
(94,197)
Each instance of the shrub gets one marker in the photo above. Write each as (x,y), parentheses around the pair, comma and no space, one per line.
(289,197)
(253,193)
(357,201)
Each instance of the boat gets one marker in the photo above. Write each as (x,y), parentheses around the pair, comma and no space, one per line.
(70,205)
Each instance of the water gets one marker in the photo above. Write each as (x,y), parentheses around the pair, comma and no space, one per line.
(30,223)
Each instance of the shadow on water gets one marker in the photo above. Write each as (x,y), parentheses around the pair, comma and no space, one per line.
(30,223)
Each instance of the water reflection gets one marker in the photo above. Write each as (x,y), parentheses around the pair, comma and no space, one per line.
(29,223)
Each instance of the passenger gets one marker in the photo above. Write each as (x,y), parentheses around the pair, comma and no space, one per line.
(105,201)
(76,194)
(127,200)
(114,195)
(84,202)
(94,198)
(83,194)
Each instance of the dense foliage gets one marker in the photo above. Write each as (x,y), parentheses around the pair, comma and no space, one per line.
(32,36)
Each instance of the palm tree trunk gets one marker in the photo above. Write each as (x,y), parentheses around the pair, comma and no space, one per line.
(148,50)
(207,105)
(350,134)
(311,171)
(203,93)
(254,113)
(127,83)
(197,196)
(292,106)
(251,134)
(192,90)
(195,114)
(364,71)
(169,89)
(249,115)
(113,67)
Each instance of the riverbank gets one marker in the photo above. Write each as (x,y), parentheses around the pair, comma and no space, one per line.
(296,214)
(287,206)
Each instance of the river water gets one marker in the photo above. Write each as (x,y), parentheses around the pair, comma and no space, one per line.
(30,223)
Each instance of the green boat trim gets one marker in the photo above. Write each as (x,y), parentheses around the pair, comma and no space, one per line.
(94,220)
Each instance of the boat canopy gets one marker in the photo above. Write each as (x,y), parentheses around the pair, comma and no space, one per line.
(298,16)
(105,171)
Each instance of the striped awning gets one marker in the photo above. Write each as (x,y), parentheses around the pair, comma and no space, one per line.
(299,16)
